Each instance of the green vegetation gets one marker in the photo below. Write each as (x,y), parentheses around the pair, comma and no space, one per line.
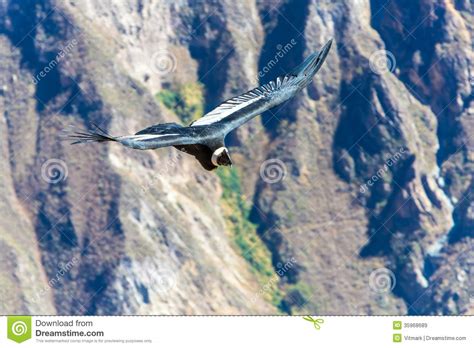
(244,233)
(297,298)
(186,101)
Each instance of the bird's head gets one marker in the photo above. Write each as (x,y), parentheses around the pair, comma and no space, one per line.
(221,157)
(305,71)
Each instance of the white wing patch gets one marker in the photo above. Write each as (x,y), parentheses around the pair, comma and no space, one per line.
(235,104)
(147,136)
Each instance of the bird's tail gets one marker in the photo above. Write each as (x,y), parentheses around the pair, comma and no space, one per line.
(98,135)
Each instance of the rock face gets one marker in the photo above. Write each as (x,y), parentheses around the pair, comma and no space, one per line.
(353,198)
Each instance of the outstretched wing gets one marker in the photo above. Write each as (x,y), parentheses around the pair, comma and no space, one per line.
(238,110)
(152,137)
(155,141)
(160,135)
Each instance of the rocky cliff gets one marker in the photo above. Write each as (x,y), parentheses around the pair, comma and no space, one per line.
(353,198)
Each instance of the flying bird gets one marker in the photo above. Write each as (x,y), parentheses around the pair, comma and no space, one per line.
(204,138)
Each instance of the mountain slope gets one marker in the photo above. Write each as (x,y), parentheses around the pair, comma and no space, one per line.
(353,198)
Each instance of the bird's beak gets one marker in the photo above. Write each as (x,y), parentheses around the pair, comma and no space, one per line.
(313,63)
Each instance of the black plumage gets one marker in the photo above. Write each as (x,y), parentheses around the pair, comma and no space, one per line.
(204,138)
